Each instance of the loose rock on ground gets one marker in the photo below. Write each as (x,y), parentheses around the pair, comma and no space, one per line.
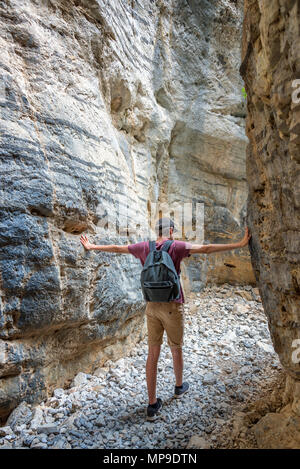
(228,357)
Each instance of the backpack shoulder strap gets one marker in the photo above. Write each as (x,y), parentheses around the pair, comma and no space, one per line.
(152,246)
(167,245)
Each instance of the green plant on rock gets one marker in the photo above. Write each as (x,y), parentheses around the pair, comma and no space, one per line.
(244,93)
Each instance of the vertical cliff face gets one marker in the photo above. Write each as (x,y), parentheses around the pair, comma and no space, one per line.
(107,104)
(203,159)
(271,70)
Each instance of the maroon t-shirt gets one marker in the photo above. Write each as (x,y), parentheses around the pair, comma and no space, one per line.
(178,250)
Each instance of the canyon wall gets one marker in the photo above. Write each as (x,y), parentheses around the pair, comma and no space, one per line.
(271,70)
(107,106)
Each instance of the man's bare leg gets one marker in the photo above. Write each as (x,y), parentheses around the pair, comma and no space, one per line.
(177,364)
(151,371)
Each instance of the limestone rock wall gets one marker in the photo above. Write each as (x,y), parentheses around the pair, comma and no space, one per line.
(271,64)
(106,100)
(271,70)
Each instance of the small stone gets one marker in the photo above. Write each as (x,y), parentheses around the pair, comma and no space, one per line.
(198,442)
(245,294)
(60,443)
(39,445)
(38,418)
(4,431)
(47,429)
(100,422)
(97,388)
(58,393)
(209,378)
(49,419)
(75,433)
(28,440)
(53,402)
(240,309)
(19,428)
(266,347)
(80,378)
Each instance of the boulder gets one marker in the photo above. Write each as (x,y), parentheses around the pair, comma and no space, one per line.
(22,414)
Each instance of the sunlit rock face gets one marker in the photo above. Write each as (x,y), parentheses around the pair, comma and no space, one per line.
(107,104)
(271,70)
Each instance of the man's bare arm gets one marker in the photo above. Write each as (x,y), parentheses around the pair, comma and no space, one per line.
(210,248)
(105,247)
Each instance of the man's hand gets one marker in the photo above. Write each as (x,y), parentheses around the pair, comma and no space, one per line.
(209,248)
(246,238)
(105,248)
(85,242)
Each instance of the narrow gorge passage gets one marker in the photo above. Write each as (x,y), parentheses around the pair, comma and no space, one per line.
(229,363)
(111,107)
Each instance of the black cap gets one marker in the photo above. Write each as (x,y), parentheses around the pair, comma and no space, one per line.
(164,223)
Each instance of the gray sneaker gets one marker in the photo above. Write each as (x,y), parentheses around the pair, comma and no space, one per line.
(181,390)
(153,411)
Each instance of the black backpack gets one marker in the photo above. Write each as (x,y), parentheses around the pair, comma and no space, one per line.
(159,278)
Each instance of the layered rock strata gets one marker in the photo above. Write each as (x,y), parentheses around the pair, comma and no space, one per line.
(108,104)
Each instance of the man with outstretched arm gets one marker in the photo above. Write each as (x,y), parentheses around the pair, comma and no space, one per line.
(168,316)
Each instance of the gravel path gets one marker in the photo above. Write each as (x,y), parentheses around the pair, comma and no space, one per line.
(228,354)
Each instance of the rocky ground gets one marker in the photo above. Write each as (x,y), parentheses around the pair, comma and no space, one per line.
(229,363)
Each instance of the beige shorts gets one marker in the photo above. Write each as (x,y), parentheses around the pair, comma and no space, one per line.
(167,317)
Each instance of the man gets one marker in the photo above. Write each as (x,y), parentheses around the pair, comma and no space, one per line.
(165,316)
